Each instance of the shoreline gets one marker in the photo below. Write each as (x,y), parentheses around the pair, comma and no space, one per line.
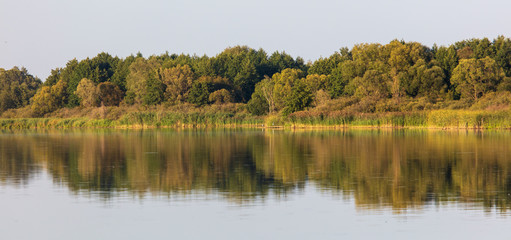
(223,118)
(86,123)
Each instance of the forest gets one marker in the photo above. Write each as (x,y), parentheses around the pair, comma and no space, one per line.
(370,79)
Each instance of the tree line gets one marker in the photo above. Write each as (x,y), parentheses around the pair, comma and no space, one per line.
(398,76)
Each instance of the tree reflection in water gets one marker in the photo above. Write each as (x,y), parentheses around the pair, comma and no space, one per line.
(377,168)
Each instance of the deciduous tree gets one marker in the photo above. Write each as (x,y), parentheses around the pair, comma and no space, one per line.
(87,92)
(473,78)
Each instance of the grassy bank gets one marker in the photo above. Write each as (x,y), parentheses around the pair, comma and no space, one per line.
(136,120)
(455,119)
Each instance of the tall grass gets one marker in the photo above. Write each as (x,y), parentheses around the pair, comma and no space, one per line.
(343,119)
(43,123)
(470,119)
(191,119)
(500,119)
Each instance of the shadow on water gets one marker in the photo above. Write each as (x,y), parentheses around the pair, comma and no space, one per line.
(399,169)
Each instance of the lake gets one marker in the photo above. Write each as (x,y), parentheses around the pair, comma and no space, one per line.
(255,184)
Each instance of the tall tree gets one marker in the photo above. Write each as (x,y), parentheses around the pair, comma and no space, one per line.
(447,60)
(17,86)
(49,99)
(473,78)
(87,93)
(262,100)
(109,94)
(178,81)
(502,46)
(284,83)
(199,93)
(299,98)
(142,81)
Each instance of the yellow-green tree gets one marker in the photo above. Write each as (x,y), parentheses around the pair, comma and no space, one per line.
(475,77)
(316,85)
(49,99)
(141,83)
(374,84)
(283,84)
(220,96)
(42,102)
(87,92)
(178,81)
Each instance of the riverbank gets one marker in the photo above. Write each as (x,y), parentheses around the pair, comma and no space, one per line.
(438,119)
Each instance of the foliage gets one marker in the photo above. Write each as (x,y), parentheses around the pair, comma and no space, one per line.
(261,101)
(199,93)
(178,81)
(49,99)
(283,84)
(86,91)
(142,84)
(475,77)
(299,98)
(368,78)
(17,86)
(220,96)
(109,94)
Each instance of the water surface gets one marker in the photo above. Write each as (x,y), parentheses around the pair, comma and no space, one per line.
(253,184)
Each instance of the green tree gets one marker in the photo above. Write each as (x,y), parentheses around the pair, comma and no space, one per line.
(262,100)
(502,47)
(246,79)
(315,82)
(447,60)
(17,86)
(341,76)
(199,93)
(98,69)
(142,82)
(421,80)
(374,84)
(324,66)
(279,61)
(475,48)
(121,72)
(283,84)
(299,98)
(473,78)
(204,66)
(49,99)
(154,92)
(259,103)
(433,84)
(53,78)
(243,66)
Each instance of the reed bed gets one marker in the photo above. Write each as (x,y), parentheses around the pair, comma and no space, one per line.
(459,119)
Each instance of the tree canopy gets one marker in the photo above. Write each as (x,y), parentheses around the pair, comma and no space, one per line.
(368,77)
(17,86)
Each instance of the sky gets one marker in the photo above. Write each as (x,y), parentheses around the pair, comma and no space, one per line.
(42,35)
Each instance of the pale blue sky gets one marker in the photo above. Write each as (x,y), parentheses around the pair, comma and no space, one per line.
(45,34)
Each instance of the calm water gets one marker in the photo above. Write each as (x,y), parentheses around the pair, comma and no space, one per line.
(255,184)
